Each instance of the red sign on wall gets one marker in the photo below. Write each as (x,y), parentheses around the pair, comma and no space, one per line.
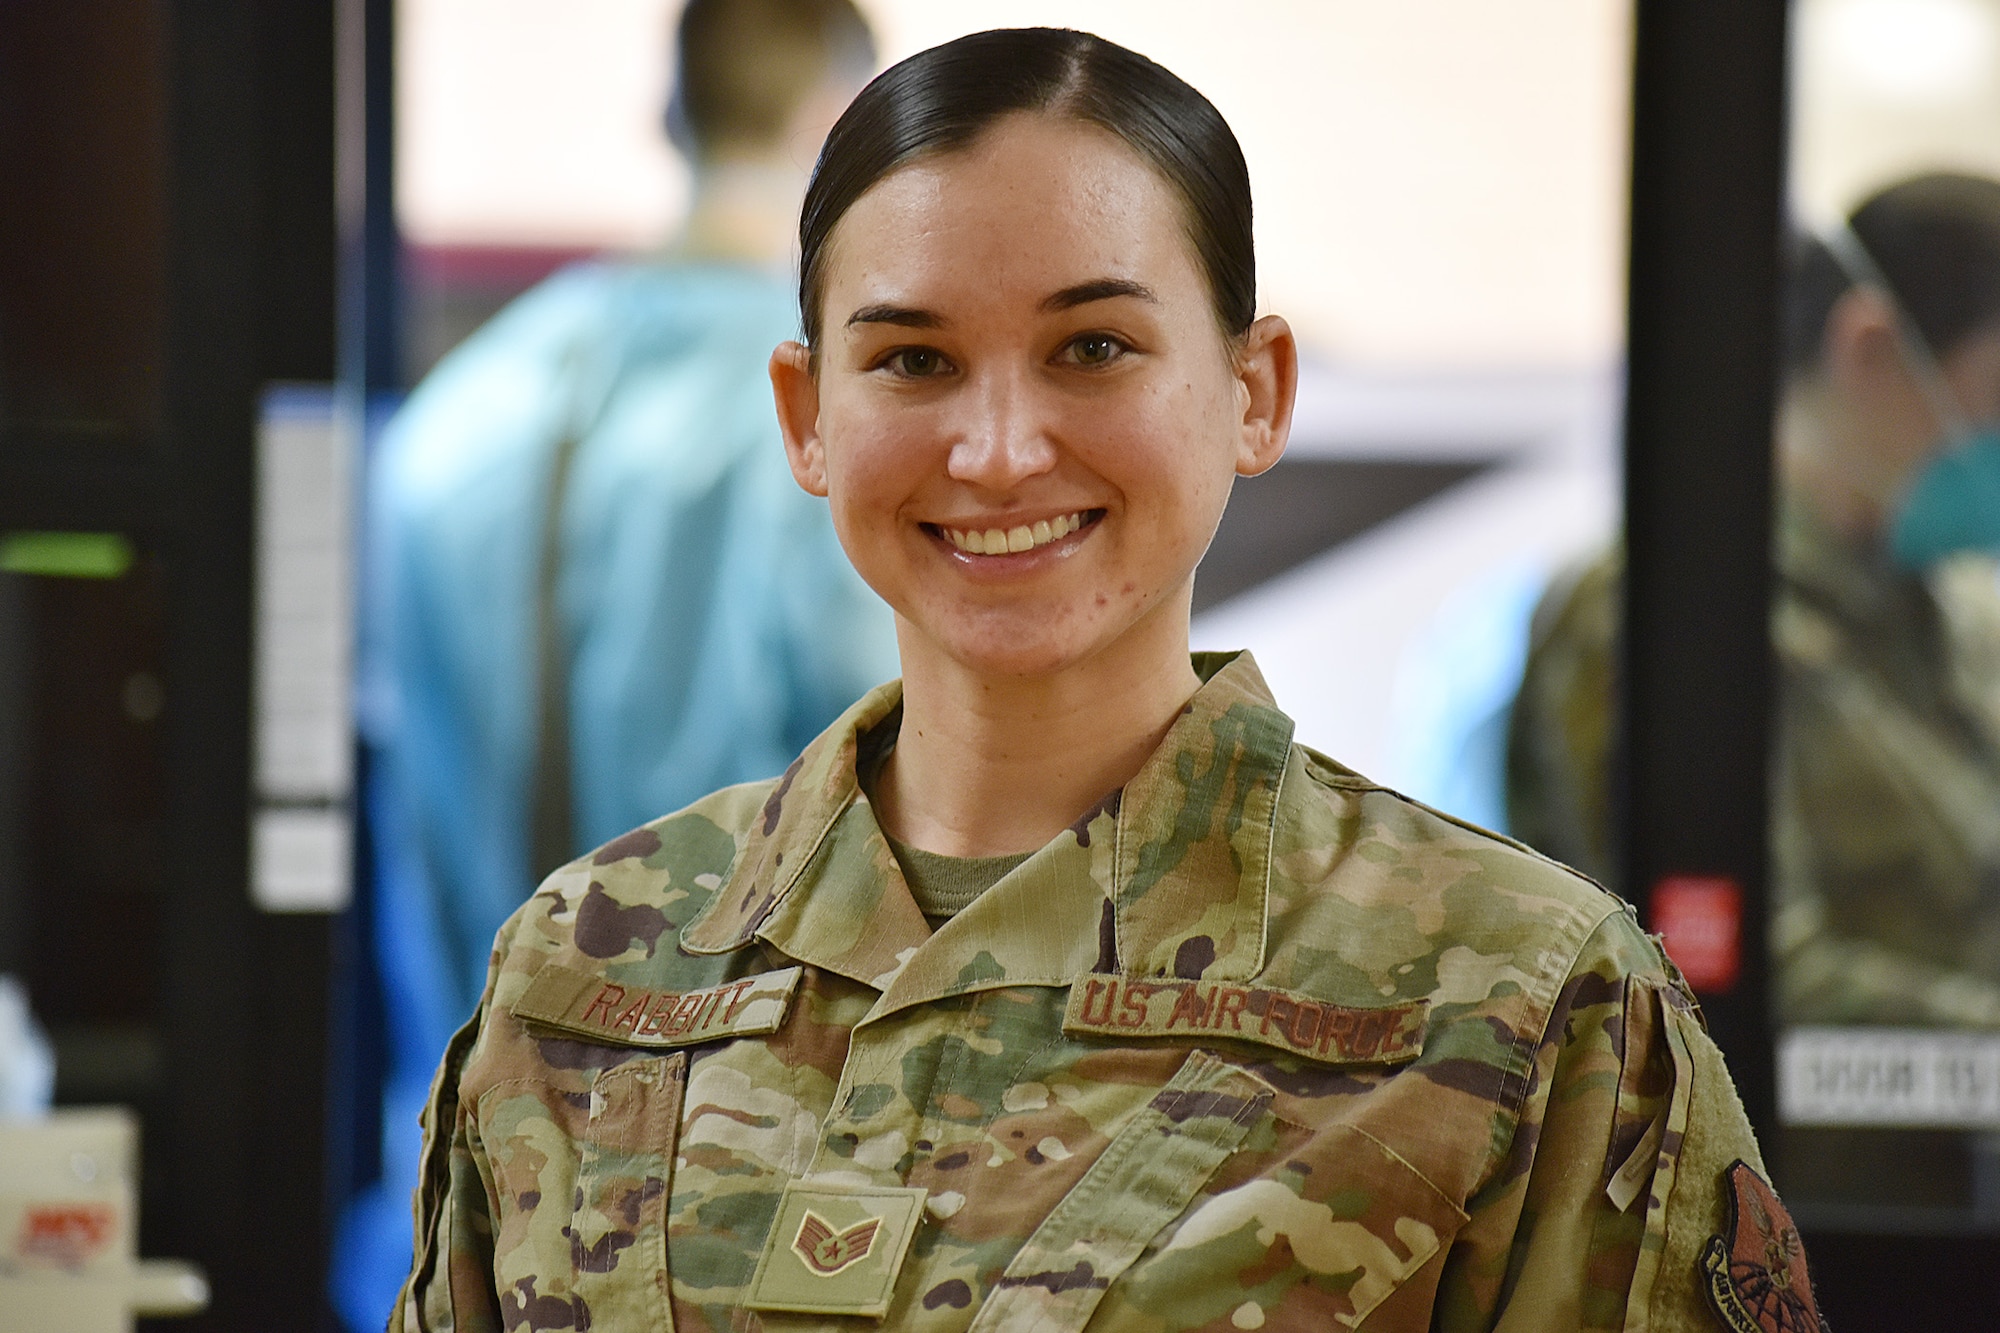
(1700,918)
(64,1235)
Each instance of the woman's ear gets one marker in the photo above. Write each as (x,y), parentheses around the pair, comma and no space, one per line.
(1267,380)
(797,395)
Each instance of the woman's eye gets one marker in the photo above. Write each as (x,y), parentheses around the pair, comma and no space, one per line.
(916,362)
(1095,349)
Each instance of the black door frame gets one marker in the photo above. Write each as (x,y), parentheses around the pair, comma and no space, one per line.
(1708,176)
(235,1145)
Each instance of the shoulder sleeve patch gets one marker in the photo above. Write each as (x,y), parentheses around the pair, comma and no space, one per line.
(1756,1277)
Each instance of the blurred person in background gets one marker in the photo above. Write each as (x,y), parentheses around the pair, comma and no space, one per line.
(1886,628)
(596,593)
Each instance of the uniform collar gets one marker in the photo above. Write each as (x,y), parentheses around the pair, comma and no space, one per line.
(1168,877)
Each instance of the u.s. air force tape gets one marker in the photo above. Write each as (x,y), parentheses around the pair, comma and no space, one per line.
(588,1005)
(1115,1006)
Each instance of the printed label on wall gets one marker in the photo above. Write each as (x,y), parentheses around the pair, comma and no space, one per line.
(1888,1076)
(304,734)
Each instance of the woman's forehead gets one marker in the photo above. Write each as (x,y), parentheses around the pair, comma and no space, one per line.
(1039,203)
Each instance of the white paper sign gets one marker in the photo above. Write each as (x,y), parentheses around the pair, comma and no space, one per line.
(1907,1077)
(301,860)
(305,567)
(301,831)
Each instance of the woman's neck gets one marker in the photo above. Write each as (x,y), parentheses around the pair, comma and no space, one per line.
(743,211)
(989,765)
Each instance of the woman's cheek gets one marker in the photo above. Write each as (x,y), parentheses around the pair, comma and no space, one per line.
(868,469)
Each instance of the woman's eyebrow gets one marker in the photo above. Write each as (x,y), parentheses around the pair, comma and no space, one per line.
(1083,293)
(908,317)
(1099,289)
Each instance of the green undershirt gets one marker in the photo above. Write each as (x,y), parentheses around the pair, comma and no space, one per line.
(944,886)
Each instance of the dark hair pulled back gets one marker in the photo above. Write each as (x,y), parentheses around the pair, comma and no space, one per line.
(943,99)
(1936,239)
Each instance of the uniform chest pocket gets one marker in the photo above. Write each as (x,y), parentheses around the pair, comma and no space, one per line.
(1152,1170)
(1336,1231)
(1303,1228)
(618,1225)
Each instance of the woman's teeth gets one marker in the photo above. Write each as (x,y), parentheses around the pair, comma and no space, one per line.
(1012,541)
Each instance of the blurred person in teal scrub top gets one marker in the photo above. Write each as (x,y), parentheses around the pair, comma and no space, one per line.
(595,592)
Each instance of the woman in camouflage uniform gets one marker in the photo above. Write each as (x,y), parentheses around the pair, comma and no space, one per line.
(1054,986)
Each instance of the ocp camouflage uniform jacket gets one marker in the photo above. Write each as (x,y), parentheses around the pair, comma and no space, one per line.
(1256,1043)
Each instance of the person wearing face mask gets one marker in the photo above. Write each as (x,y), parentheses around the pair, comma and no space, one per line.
(1885,837)
(1054,986)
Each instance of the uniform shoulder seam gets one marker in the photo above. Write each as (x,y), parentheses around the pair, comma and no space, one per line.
(1333,774)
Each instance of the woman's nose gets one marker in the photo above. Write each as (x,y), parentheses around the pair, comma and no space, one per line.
(1004,438)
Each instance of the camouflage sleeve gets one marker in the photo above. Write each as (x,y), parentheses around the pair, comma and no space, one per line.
(1616,1180)
(1827,975)
(1559,734)
(450,1287)
(1878,854)
(1828,978)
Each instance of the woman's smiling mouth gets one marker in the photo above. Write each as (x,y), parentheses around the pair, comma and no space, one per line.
(1016,539)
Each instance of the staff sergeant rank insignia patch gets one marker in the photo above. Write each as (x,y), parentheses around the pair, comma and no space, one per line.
(836,1249)
(1126,1007)
(1757,1279)
(585,1004)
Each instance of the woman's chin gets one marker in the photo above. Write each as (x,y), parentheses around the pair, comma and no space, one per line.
(1041,640)
(1017,651)
(1017,660)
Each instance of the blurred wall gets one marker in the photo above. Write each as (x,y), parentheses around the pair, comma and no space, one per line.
(1882,89)
(1440,182)
(524,122)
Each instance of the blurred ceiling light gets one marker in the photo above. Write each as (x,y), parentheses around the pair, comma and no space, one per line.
(1912,51)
